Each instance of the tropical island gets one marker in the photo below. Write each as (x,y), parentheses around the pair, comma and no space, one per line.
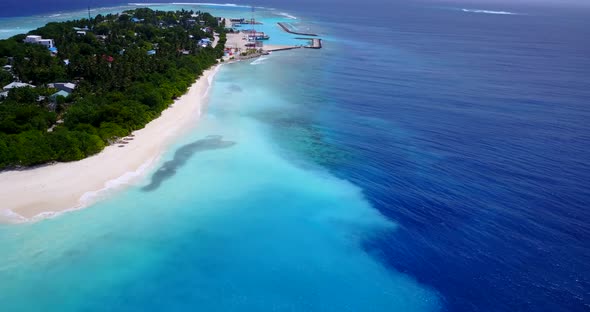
(72,88)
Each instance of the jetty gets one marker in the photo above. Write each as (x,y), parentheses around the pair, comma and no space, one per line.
(287,29)
(274,48)
(314,43)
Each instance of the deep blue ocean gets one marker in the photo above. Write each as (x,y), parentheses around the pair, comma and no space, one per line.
(467,125)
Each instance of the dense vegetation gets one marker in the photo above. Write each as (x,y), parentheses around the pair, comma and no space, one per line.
(120,87)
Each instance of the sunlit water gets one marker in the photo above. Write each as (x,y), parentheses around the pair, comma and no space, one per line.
(231,219)
(446,142)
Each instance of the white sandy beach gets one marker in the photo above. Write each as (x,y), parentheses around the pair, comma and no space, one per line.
(41,192)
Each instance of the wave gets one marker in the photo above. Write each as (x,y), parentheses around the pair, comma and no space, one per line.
(87,199)
(287,15)
(489,12)
(126,179)
(9,216)
(259,61)
(8,30)
(210,82)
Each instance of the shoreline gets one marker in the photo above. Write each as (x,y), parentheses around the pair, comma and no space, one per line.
(46,191)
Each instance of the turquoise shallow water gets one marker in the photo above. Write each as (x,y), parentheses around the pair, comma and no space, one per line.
(464,134)
(233,218)
(236,228)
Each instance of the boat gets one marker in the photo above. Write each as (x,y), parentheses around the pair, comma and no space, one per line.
(258,36)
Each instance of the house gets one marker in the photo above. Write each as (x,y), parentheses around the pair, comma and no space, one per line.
(3,95)
(47,43)
(81,33)
(205,42)
(54,96)
(7,67)
(151,52)
(33,39)
(136,20)
(63,86)
(16,84)
(39,40)
(108,58)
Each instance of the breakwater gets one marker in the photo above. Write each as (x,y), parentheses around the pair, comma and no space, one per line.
(286,28)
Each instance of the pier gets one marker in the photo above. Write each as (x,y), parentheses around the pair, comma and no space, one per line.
(274,48)
(286,28)
(314,43)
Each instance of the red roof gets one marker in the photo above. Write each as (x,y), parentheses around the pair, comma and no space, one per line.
(108,58)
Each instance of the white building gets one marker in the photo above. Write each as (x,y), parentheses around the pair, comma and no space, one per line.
(33,39)
(39,40)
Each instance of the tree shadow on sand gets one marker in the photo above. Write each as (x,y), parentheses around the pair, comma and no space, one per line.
(182,155)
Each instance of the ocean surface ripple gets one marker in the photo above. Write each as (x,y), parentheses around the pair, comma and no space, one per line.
(425,159)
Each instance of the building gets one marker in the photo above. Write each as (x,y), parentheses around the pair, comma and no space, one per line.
(54,96)
(63,86)
(7,67)
(48,43)
(108,58)
(16,84)
(205,42)
(33,39)
(151,52)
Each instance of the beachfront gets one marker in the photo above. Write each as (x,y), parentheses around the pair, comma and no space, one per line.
(48,190)
(44,191)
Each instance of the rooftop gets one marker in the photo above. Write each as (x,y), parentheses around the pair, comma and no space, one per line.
(17,84)
(60,93)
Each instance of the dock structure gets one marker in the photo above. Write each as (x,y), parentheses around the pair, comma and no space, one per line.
(315,44)
(286,28)
(274,48)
